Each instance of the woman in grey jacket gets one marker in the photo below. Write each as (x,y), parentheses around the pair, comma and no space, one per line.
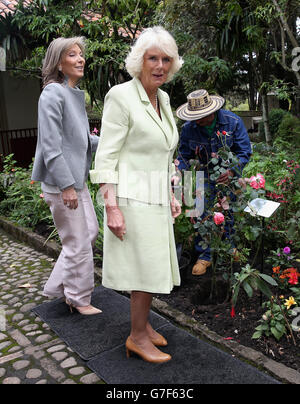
(62,162)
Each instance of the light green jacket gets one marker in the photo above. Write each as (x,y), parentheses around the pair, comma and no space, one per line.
(136,147)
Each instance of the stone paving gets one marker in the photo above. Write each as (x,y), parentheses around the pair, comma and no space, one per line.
(30,353)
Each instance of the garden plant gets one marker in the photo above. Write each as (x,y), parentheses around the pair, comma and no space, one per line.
(273,174)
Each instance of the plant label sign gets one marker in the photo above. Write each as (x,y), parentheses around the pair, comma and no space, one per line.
(261,207)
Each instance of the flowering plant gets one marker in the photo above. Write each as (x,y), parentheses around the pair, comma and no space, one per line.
(281,257)
(274,321)
(224,133)
(257,181)
(230,197)
(283,272)
(286,192)
(286,277)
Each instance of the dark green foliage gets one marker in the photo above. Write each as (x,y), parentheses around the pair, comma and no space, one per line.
(275,118)
(289,130)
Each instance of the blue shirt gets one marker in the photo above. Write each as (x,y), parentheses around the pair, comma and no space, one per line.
(196,139)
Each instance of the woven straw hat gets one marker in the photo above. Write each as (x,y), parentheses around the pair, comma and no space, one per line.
(200,104)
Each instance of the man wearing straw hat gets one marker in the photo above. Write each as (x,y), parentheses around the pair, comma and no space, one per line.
(200,138)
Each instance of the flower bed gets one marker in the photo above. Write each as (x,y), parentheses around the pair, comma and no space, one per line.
(256,300)
(192,298)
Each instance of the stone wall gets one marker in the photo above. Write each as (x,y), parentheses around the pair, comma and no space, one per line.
(247,117)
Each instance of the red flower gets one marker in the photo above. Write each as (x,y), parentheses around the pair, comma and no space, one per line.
(293,279)
(219,218)
(232,313)
(276,270)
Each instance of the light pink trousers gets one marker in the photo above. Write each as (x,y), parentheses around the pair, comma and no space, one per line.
(73,273)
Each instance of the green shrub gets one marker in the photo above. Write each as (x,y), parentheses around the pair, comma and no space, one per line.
(23,201)
(280,166)
(275,118)
(289,130)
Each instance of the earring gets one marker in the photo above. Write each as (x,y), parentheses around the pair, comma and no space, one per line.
(59,68)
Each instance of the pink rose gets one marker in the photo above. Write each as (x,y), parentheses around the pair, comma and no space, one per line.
(257,181)
(219,218)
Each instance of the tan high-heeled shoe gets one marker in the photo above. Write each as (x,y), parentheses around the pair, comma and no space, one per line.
(86,311)
(159,340)
(160,357)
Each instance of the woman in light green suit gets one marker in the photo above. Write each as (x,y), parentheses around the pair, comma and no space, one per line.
(134,166)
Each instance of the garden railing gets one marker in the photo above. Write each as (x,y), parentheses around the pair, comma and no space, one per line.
(22,143)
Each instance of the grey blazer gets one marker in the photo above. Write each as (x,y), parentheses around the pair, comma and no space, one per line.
(64,148)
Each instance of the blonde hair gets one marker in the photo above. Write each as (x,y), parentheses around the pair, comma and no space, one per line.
(54,54)
(156,37)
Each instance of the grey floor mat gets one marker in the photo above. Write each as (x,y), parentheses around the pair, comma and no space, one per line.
(193,362)
(89,336)
(100,340)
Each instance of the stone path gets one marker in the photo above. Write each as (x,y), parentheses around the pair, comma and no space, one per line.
(30,353)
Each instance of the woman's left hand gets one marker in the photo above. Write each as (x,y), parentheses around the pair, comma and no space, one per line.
(70,199)
(175,207)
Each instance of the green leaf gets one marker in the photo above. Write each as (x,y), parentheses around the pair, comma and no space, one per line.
(280,327)
(269,279)
(264,288)
(248,289)
(292,230)
(276,333)
(257,335)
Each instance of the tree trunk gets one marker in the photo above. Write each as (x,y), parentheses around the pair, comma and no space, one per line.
(265,110)
(285,24)
(252,87)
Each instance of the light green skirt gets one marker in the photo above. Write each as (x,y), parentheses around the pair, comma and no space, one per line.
(146,259)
